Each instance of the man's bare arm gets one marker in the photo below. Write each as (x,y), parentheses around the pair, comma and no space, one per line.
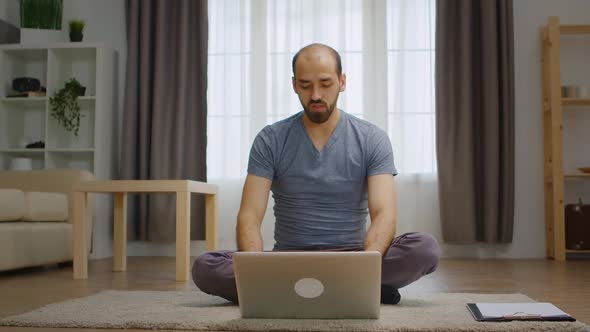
(382,207)
(252,209)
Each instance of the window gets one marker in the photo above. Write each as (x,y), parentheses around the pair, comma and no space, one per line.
(387,50)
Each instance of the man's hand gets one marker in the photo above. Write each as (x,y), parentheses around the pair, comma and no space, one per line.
(252,209)
(381,194)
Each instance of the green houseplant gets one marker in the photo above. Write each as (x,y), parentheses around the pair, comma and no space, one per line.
(41,14)
(76,29)
(65,107)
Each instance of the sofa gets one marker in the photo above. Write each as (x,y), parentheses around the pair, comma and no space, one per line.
(35,218)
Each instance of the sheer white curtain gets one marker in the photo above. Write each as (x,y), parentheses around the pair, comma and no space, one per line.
(387,50)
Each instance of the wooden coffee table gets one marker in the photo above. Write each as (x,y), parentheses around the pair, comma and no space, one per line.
(120,188)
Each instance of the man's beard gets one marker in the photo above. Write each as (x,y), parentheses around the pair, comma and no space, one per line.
(319,117)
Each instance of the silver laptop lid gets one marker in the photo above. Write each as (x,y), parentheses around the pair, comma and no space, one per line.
(308,284)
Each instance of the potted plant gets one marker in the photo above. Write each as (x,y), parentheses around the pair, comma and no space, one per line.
(65,107)
(76,29)
(40,21)
(35,14)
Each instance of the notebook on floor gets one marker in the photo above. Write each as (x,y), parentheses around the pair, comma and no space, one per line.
(320,285)
(517,311)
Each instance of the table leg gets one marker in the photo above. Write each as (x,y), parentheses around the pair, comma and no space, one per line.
(80,242)
(183,226)
(120,233)
(211,221)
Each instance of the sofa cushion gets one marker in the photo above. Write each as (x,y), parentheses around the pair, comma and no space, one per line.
(12,204)
(34,243)
(44,206)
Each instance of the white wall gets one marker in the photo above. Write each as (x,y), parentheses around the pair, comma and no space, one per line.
(9,11)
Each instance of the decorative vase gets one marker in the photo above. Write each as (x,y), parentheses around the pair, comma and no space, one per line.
(76,36)
(38,36)
(21,164)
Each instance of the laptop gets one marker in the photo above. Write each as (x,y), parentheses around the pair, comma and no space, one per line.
(304,284)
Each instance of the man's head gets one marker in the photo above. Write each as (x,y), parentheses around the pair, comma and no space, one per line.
(318,80)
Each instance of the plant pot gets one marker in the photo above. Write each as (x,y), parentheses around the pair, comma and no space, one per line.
(76,36)
(39,36)
(81,91)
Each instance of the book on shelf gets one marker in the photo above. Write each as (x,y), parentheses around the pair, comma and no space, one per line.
(27,94)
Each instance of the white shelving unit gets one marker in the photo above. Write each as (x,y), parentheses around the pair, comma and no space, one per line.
(29,119)
(26,120)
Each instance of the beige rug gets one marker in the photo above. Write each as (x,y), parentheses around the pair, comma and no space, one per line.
(192,310)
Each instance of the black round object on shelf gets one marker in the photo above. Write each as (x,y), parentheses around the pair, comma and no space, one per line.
(22,84)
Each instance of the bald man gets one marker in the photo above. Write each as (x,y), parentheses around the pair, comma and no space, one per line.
(327,170)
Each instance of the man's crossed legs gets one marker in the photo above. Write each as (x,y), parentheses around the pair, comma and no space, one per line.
(410,256)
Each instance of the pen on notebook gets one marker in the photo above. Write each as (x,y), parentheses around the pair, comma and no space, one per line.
(521,315)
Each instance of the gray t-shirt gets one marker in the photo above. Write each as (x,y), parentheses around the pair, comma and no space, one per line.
(320,196)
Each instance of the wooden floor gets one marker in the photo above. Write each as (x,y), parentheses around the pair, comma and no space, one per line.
(567,284)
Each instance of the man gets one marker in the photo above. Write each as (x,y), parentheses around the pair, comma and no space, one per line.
(325,168)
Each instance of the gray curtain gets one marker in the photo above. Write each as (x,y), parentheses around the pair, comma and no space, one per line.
(165,114)
(475,119)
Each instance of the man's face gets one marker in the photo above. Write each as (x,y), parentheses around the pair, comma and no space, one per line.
(317,84)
